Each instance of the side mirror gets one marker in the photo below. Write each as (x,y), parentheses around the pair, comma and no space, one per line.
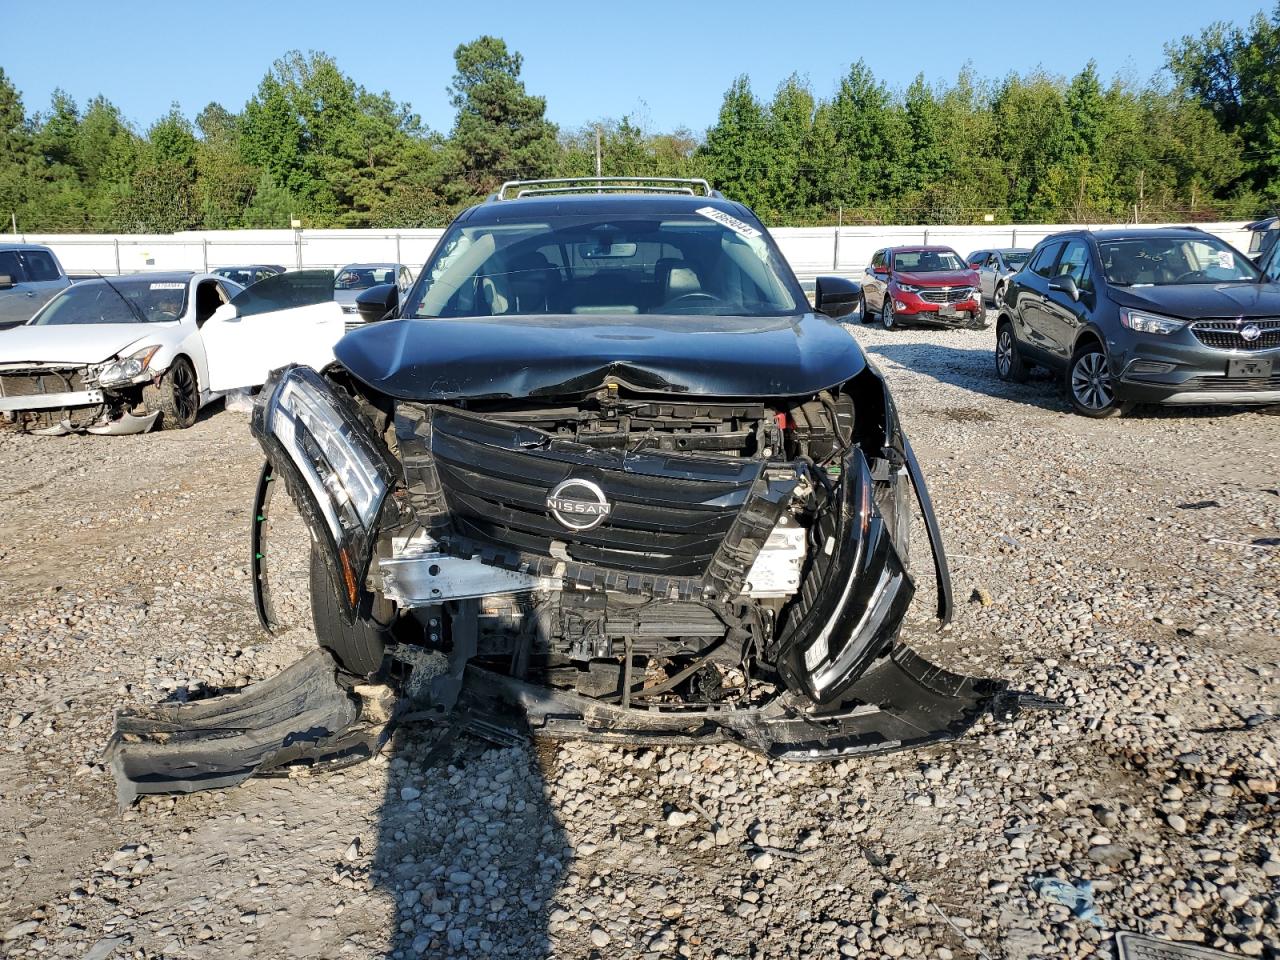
(378,303)
(1065,284)
(880,271)
(6,281)
(838,297)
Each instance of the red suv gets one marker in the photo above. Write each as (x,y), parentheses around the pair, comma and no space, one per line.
(922,285)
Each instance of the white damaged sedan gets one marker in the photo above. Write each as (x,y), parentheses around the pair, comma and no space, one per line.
(120,354)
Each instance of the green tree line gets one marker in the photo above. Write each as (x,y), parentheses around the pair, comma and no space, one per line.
(1199,142)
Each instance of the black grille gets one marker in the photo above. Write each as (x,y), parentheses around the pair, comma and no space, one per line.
(669,513)
(33,383)
(1225,334)
(958,295)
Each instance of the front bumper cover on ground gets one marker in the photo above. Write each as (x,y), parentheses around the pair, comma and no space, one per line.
(302,714)
(311,713)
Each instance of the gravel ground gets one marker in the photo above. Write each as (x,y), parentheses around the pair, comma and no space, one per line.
(1126,567)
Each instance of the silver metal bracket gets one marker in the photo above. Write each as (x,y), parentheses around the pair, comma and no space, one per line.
(431,578)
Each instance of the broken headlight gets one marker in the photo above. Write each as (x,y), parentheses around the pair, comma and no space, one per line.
(126,370)
(322,444)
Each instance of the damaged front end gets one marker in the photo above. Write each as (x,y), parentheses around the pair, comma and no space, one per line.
(615,566)
(55,400)
(632,566)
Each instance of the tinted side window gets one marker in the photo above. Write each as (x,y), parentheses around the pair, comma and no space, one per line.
(284,291)
(1270,265)
(877,259)
(976,260)
(10,267)
(1074,263)
(1042,263)
(40,265)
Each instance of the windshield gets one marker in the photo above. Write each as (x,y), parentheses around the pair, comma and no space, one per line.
(120,301)
(703,262)
(928,261)
(362,278)
(1165,261)
(1015,260)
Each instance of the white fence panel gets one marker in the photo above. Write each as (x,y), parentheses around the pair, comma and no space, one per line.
(809,250)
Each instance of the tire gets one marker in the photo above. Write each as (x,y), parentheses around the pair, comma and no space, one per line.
(1089,384)
(999,293)
(358,646)
(886,313)
(862,308)
(176,396)
(1010,366)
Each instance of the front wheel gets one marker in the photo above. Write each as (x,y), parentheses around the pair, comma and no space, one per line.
(1009,363)
(1089,383)
(357,646)
(886,313)
(176,396)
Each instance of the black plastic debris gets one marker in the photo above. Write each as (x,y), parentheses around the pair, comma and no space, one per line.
(302,714)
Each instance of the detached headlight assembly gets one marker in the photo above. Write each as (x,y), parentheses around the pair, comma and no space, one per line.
(1140,322)
(332,451)
(126,370)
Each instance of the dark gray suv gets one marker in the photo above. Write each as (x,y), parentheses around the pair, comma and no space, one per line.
(1170,315)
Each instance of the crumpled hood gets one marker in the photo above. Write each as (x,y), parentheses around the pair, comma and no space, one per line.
(70,343)
(1190,301)
(952,278)
(496,357)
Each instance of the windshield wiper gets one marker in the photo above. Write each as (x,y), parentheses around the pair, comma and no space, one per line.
(133,307)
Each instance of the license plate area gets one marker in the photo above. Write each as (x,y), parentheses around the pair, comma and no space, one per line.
(1249,367)
(947,310)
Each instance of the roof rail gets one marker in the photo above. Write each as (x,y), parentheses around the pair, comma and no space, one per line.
(693,187)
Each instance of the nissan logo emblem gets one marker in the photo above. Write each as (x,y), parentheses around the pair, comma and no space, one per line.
(1250,333)
(578,504)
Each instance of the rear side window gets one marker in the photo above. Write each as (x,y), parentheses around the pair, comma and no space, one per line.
(10,267)
(1043,262)
(40,266)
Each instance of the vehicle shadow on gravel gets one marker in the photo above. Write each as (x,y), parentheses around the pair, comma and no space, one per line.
(469,848)
(975,370)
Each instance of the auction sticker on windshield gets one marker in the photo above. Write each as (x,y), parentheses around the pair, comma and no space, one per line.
(733,223)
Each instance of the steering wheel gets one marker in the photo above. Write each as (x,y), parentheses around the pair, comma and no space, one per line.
(1192,275)
(691,298)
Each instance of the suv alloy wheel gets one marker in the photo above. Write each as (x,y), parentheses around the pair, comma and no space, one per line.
(1089,382)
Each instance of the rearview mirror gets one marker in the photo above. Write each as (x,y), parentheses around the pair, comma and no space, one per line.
(6,281)
(1065,284)
(838,297)
(378,303)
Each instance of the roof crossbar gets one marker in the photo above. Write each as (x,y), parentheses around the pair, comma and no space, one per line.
(693,187)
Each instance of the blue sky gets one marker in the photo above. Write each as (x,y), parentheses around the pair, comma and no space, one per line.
(665,63)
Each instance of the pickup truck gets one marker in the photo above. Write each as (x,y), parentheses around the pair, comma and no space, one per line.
(29,277)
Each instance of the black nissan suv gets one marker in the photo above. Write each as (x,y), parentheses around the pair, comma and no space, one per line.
(1169,315)
(606,458)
